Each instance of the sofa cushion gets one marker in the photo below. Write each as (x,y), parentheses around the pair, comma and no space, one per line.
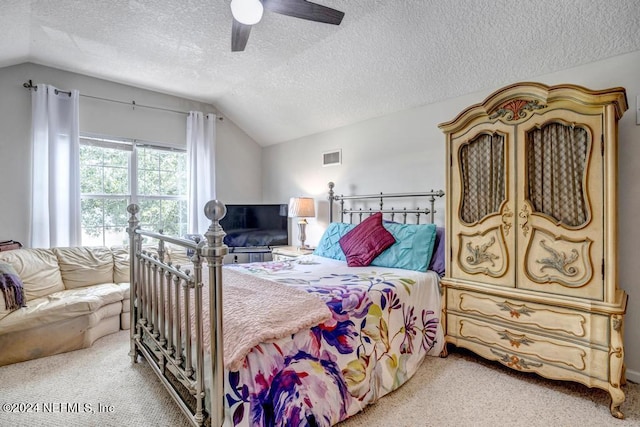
(84,266)
(3,310)
(62,305)
(177,254)
(96,295)
(124,287)
(38,269)
(120,264)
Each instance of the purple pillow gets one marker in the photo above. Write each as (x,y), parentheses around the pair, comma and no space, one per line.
(11,287)
(438,259)
(366,241)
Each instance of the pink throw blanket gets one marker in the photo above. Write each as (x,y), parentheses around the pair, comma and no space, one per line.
(256,310)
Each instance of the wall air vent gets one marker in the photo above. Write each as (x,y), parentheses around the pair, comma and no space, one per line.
(331,158)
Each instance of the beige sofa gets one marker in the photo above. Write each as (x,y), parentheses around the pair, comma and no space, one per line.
(73,297)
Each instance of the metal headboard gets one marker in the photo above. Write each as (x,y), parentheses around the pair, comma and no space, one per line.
(381,197)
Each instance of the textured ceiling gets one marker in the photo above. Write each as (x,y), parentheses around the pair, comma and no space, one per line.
(297,77)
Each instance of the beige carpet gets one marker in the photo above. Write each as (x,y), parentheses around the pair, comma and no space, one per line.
(461,390)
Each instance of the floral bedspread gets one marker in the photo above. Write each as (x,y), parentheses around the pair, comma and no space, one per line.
(384,322)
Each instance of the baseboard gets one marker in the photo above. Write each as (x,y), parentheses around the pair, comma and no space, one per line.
(633,376)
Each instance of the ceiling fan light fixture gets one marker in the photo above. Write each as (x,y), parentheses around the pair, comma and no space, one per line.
(248,12)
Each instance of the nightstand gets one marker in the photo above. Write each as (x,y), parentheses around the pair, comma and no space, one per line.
(285,253)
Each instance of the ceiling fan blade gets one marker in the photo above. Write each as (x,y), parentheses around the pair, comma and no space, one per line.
(304,10)
(239,36)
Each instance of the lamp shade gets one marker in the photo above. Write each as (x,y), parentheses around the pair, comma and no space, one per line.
(302,207)
(248,12)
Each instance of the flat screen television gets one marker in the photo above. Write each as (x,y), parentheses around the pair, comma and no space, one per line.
(256,226)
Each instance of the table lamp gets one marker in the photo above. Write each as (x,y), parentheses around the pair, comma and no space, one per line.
(303,208)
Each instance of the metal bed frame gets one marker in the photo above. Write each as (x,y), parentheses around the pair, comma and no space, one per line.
(161,296)
(164,296)
(381,197)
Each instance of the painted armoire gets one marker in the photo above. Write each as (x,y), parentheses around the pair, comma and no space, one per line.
(531,230)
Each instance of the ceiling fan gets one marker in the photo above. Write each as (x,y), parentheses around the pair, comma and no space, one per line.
(249,12)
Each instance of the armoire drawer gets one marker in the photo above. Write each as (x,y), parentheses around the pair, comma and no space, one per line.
(563,322)
(539,350)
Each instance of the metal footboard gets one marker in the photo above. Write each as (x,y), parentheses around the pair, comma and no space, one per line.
(163,299)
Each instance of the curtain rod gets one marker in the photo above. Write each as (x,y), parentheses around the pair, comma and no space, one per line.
(29,85)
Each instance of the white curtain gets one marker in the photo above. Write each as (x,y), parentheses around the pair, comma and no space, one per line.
(201,176)
(55,185)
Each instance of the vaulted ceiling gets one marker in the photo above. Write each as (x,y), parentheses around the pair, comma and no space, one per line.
(297,77)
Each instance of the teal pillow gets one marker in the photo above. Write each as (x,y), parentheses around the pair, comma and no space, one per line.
(329,246)
(413,247)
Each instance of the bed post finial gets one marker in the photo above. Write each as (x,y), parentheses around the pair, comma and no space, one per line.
(215,210)
(214,252)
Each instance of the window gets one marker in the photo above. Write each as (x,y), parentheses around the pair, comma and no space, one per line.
(115,173)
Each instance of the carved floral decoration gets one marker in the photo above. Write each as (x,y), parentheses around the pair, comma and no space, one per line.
(506,220)
(517,109)
(479,253)
(559,260)
(515,340)
(515,362)
(524,214)
(515,312)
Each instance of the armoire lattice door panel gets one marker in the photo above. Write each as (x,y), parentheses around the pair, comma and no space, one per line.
(531,275)
(483,195)
(560,203)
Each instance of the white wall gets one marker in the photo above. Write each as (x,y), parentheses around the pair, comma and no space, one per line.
(405,152)
(238,162)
